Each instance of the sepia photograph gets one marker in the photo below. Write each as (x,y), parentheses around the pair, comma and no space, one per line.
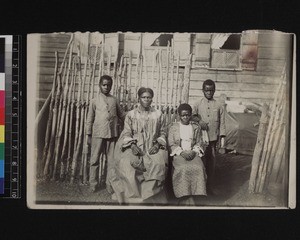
(140,120)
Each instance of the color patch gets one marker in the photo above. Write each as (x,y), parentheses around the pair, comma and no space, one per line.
(2,116)
(1,168)
(2,99)
(1,151)
(2,134)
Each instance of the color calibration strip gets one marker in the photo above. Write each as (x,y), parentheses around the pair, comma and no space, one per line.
(2,113)
(10,101)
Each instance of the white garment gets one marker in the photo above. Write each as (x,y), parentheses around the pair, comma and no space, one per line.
(186,136)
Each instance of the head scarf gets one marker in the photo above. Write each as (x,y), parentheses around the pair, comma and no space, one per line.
(143,90)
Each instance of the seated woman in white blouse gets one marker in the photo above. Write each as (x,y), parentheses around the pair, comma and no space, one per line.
(187,147)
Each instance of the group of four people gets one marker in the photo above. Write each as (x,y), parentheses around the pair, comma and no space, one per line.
(138,160)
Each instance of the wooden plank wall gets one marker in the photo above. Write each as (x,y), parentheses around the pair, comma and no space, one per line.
(49,43)
(254,86)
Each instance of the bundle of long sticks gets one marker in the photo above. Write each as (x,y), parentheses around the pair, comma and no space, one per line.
(268,157)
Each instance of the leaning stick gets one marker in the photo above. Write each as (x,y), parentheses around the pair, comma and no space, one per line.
(187,72)
(153,68)
(181,88)
(269,146)
(114,78)
(177,77)
(109,62)
(160,80)
(79,117)
(67,120)
(124,84)
(93,72)
(61,120)
(167,76)
(120,78)
(258,148)
(136,78)
(129,105)
(85,146)
(263,158)
(54,119)
(70,132)
(51,106)
(82,115)
(140,71)
(278,129)
(145,65)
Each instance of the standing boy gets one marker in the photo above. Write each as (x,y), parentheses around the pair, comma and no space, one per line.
(211,117)
(102,128)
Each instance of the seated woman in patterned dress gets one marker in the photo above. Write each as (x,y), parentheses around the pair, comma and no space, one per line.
(187,147)
(140,155)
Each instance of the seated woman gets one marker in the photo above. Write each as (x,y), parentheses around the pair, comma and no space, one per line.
(187,147)
(140,155)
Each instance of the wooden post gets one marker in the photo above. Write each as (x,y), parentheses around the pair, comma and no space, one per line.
(258,147)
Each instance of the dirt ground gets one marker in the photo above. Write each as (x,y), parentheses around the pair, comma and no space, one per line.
(231,185)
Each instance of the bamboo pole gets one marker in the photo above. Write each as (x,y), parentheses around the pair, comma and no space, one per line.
(82,118)
(276,168)
(49,122)
(177,77)
(129,103)
(187,71)
(160,80)
(85,146)
(93,73)
(167,76)
(258,147)
(267,145)
(61,120)
(145,66)
(67,120)
(153,68)
(278,130)
(53,130)
(124,84)
(50,118)
(70,132)
(181,89)
(120,78)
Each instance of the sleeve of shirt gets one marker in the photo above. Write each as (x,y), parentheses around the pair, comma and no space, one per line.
(222,121)
(200,146)
(162,132)
(195,115)
(127,133)
(121,113)
(90,117)
(175,149)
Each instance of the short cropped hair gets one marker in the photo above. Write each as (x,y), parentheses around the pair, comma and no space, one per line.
(143,90)
(184,106)
(209,82)
(105,77)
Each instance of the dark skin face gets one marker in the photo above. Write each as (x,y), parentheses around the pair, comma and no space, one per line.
(209,91)
(145,100)
(105,86)
(185,117)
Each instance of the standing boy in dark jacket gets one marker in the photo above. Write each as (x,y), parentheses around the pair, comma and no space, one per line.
(102,128)
(211,116)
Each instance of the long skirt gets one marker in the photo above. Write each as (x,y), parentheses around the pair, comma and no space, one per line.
(189,177)
(134,186)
